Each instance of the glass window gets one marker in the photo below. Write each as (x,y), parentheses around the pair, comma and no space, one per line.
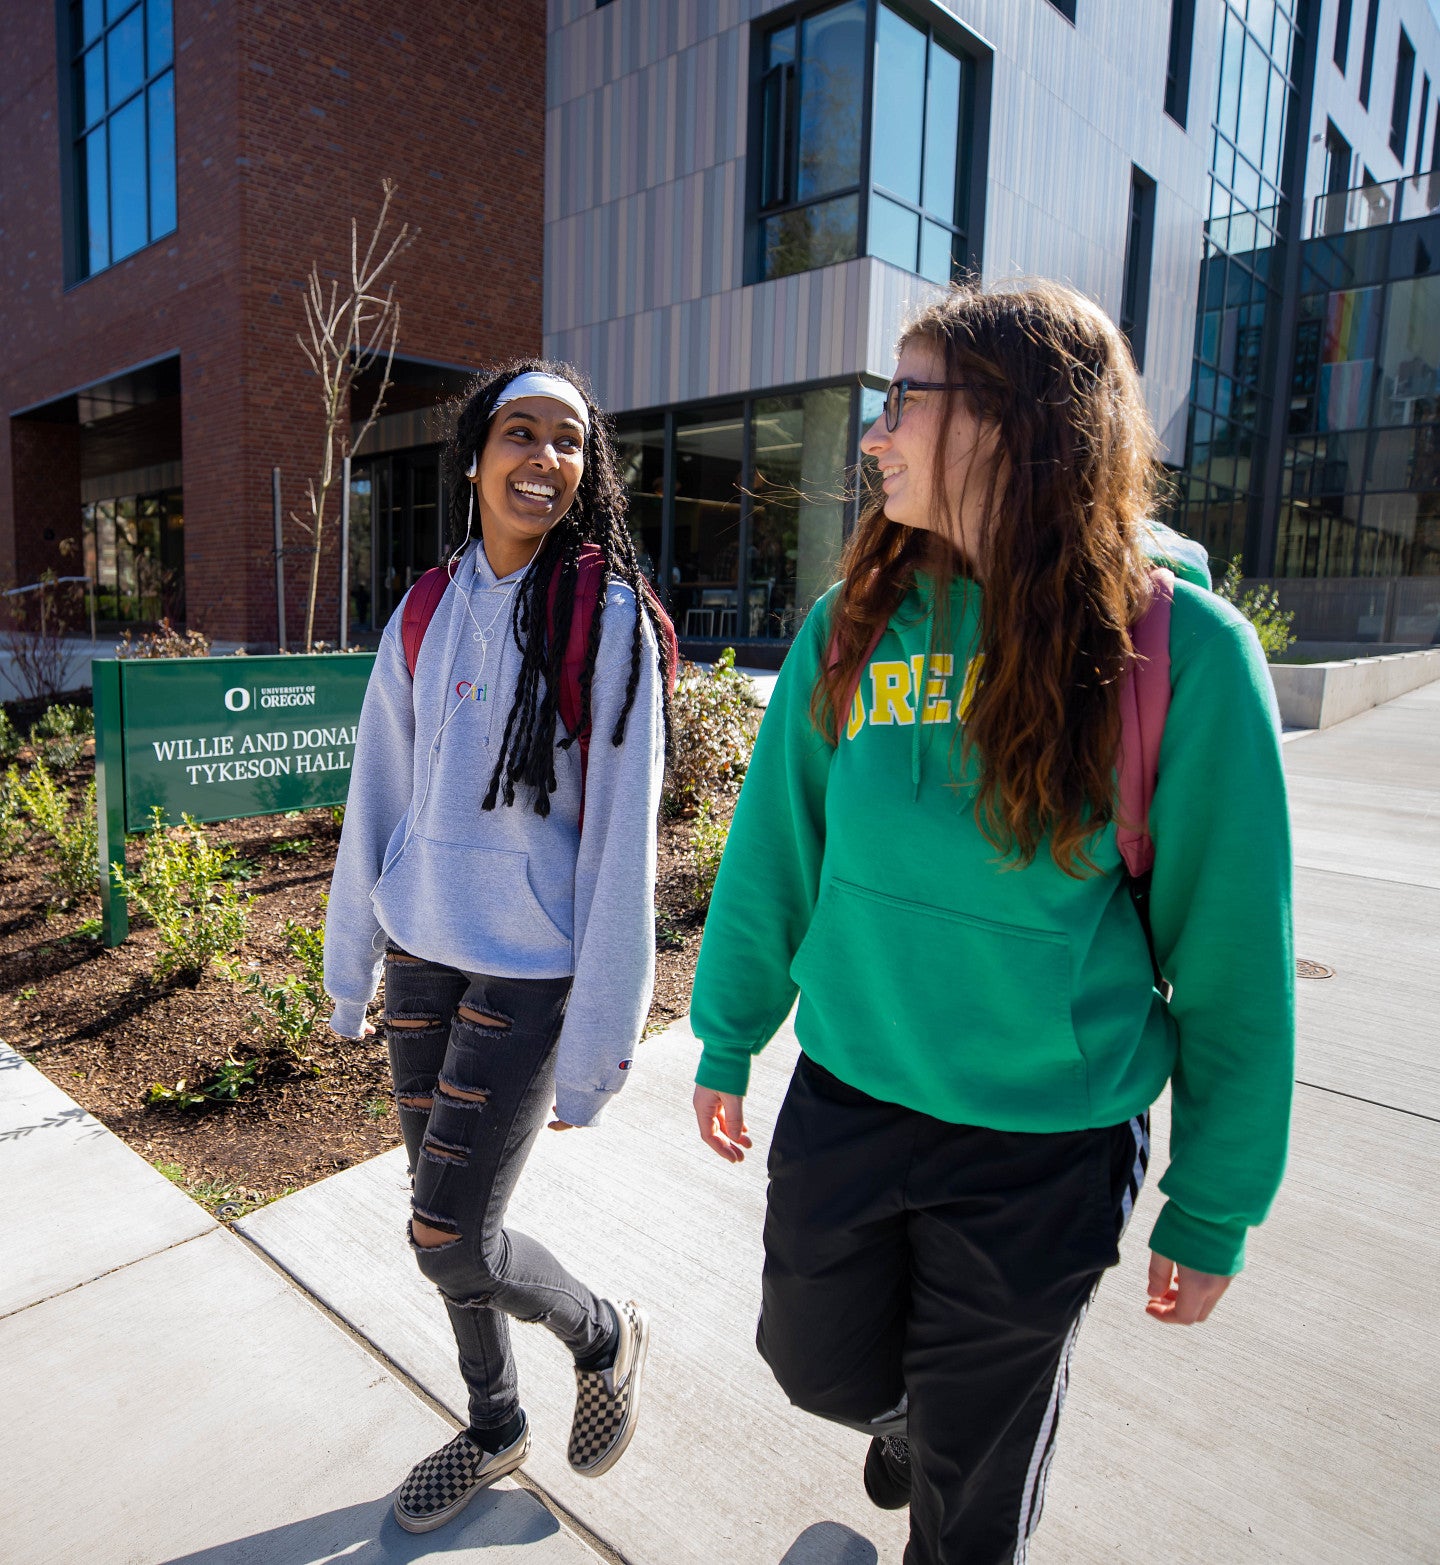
(1400,102)
(640,455)
(899,117)
(123,114)
(1410,355)
(832,89)
(709,474)
(811,236)
(129,223)
(811,94)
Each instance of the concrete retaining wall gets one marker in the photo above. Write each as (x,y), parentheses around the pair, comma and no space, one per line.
(1316,695)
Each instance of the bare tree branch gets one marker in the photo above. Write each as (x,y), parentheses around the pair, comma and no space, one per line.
(348,334)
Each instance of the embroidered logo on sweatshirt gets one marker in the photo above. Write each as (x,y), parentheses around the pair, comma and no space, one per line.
(469,692)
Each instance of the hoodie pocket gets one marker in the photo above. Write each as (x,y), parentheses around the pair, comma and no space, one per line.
(470,908)
(961,1016)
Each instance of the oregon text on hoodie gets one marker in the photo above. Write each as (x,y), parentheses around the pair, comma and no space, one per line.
(503,891)
(1020,999)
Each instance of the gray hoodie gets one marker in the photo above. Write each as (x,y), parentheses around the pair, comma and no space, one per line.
(503,891)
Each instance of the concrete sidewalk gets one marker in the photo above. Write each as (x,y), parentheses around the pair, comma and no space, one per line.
(173,1397)
(169,1396)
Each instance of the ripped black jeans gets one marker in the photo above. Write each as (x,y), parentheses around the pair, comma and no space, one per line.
(471,1099)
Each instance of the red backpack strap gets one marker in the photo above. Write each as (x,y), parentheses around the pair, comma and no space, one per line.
(587,592)
(420,604)
(832,660)
(1144,704)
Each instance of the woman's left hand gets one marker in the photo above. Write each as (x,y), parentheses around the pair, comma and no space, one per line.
(1179,1295)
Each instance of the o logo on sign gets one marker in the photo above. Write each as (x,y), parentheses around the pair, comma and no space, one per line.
(237,699)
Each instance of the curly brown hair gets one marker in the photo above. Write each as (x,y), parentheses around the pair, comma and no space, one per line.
(1064,572)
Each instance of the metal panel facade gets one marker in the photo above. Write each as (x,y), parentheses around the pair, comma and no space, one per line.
(647,109)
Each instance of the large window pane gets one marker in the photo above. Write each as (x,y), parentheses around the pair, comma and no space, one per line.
(811,236)
(94,180)
(894,233)
(90,18)
(801,445)
(936,252)
(159,46)
(126,48)
(832,77)
(90,87)
(1230,58)
(942,133)
(709,462)
(129,225)
(640,456)
(1410,358)
(162,155)
(899,106)
(1251,136)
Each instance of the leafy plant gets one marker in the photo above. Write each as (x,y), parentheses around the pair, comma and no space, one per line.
(715,716)
(9,737)
(224,1085)
(300,845)
(59,735)
(1261,606)
(165,642)
(12,814)
(181,888)
(707,845)
(288,1012)
(377,1108)
(72,838)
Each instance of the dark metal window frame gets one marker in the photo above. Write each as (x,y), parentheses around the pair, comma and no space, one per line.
(74,218)
(1341,51)
(1177,60)
(1424,115)
(1367,59)
(667,417)
(975,121)
(1139,258)
(1066,8)
(1400,96)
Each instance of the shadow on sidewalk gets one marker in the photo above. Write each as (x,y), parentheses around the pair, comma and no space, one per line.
(830,1543)
(367,1534)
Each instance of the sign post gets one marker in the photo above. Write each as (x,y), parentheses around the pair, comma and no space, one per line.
(217,739)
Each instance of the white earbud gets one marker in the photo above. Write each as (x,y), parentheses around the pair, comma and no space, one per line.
(474,467)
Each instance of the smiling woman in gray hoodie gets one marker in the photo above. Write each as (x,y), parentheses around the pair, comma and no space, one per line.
(502,868)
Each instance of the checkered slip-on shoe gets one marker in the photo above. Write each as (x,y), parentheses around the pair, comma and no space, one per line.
(445,1483)
(607,1401)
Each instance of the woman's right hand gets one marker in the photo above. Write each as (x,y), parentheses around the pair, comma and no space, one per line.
(721,1117)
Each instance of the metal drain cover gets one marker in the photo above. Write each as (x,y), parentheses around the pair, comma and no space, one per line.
(1305,968)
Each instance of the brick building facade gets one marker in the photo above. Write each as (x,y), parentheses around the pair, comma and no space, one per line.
(180,362)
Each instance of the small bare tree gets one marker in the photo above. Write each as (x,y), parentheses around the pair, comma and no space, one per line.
(349,332)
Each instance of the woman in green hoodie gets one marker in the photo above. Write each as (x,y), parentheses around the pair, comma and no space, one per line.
(926,851)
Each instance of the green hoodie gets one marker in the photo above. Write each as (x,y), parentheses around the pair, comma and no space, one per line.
(1020,999)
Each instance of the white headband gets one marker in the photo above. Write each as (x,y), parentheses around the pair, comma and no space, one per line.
(538,384)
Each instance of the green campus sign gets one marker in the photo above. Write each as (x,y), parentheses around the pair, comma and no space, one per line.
(217,739)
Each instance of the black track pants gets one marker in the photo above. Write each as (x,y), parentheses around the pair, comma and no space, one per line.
(929,1279)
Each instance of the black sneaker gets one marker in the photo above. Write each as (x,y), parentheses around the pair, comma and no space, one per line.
(887,1472)
(445,1483)
(607,1400)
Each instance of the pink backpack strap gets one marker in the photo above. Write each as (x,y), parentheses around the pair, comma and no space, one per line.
(1144,704)
(587,593)
(832,660)
(420,605)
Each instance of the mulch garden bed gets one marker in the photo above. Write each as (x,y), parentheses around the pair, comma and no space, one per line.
(101,1027)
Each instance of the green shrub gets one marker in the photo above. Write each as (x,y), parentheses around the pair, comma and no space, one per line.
(224,1085)
(72,837)
(59,736)
(10,740)
(715,716)
(707,845)
(181,888)
(288,1012)
(12,814)
(1261,606)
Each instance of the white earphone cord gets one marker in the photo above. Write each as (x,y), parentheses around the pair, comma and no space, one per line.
(484,635)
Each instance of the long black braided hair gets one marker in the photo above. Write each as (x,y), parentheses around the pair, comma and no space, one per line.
(597,515)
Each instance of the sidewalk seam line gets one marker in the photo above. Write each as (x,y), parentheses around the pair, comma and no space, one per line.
(110,1272)
(567,1518)
(1374,1103)
(1356,874)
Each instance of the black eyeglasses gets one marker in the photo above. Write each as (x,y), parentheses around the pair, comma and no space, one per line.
(898,390)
